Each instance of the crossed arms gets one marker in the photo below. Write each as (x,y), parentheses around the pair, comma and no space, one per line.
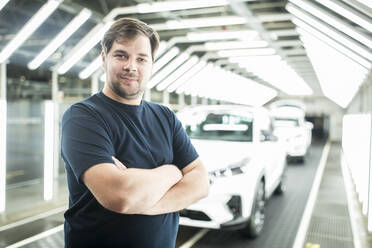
(160,190)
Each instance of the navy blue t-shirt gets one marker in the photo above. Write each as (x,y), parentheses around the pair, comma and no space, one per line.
(144,136)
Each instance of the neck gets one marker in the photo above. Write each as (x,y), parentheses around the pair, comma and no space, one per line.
(111,94)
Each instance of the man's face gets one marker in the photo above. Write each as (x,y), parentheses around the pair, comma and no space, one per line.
(128,67)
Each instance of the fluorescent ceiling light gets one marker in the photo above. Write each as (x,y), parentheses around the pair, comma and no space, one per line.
(190,80)
(60,38)
(36,20)
(253,59)
(3,3)
(222,35)
(303,27)
(333,21)
(330,32)
(3,123)
(246,52)
(178,5)
(367,3)
(345,11)
(161,49)
(168,69)
(76,56)
(48,149)
(173,52)
(177,73)
(339,76)
(279,74)
(205,22)
(211,83)
(187,76)
(92,67)
(211,46)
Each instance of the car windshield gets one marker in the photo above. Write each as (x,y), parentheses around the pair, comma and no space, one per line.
(286,122)
(220,126)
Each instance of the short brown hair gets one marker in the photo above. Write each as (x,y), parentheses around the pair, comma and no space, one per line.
(127,29)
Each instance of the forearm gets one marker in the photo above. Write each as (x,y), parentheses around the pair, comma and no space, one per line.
(191,188)
(143,188)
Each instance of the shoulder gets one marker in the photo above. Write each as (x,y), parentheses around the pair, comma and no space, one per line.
(159,108)
(82,109)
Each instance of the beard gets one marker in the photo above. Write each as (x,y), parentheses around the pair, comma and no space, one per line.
(118,87)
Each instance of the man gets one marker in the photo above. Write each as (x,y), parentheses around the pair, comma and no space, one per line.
(130,166)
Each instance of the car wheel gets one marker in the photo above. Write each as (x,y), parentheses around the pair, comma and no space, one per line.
(257,219)
(281,186)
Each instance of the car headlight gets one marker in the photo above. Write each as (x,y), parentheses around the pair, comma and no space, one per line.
(231,170)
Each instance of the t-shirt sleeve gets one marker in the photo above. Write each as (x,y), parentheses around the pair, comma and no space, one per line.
(85,142)
(184,151)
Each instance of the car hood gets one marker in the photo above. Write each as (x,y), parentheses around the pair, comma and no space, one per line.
(217,154)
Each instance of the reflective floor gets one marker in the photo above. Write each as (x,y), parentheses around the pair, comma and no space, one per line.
(283,213)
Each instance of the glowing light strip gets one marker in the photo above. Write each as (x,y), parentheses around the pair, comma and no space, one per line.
(173,52)
(3,121)
(83,50)
(210,46)
(46,10)
(60,39)
(246,52)
(168,69)
(329,32)
(96,63)
(187,76)
(177,73)
(222,35)
(3,3)
(333,21)
(48,149)
(353,16)
(303,27)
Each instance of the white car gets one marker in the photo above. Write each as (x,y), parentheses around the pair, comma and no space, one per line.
(245,161)
(291,126)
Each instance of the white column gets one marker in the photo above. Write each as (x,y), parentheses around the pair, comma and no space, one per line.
(165,97)
(148,94)
(95,82)
(3,122)
(214,101)
(181,100)
(205,101)
(194,100)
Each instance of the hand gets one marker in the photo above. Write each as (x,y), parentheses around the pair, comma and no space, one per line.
(119,164)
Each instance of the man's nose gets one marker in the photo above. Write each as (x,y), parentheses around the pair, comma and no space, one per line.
(130,65)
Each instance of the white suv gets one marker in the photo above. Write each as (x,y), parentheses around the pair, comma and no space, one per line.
(291,126)
(246,164)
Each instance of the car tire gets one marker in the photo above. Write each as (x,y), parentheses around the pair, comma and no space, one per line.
(280,189)
(256,221)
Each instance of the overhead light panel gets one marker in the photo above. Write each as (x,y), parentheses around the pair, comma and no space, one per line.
(339,76)
(187,76)
(303,27)
(246,52)
(82,17)
(3,3)
(36,20)
(333,21)
(92,67)
(163,60)
(351,44)
(213,46)
(168,69)
(347,12)
(205,22)
(177,73)
(84,48)
(222,35)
